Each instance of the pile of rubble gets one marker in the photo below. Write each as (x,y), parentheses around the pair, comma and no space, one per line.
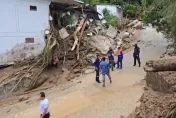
(70,49)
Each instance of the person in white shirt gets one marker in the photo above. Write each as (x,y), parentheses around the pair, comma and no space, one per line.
(44,106)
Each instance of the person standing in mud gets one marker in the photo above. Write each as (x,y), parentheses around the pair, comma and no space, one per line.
(110,54)
(136,55)
(44,106)
(119,58)
(104,69)
(97,69)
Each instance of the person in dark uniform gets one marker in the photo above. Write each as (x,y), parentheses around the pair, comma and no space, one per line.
(110,54)
(97,69)
(136,55)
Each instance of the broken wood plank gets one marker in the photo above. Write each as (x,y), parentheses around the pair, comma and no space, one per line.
(25,75)
(75,33)
(80,37)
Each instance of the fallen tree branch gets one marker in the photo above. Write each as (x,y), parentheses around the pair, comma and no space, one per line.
(35,78)
(25,75)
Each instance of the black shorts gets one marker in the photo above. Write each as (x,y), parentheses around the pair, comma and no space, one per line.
(46,115)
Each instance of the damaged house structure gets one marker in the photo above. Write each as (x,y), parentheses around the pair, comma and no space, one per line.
(25,22)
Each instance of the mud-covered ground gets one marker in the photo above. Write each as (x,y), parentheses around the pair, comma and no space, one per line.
(84,98)
(155,105)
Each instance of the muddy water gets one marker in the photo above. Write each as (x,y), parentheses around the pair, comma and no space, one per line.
(91,100)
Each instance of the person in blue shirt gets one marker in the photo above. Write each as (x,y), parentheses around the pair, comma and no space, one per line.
(104,68)
(119,57)
(97,69)
(110,55)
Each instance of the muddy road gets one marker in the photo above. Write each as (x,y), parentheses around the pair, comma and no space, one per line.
(89,99)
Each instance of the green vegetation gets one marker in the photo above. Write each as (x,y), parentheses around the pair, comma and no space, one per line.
(132,8)
(131,11)
(161,14)
(110,19)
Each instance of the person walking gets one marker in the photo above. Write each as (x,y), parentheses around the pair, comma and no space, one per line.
(97,69)
(104,69)
(136,55)
(119,58)
(44,106)
(110,54)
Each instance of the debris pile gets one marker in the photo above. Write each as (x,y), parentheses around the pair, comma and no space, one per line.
(74,38)
(156,105)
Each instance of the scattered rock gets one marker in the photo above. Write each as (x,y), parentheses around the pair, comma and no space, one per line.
(125,35)
(138,25)
(77,71)
(127,40)
(50,81)
(122,116)
(63,33)
(170,51)
(78,75)
(102,43)
(23,98)
(79,82)
(111,32)
(125,46)
(145,88)
(132,23)
(162,56)
(97,29)
(88,71)
(91,58)
(8,110)
(64,70)
(72,76)
(41,79)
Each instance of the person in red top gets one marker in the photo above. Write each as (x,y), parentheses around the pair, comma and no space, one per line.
(120,58)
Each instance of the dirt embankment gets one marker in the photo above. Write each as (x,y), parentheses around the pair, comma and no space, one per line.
(159,99)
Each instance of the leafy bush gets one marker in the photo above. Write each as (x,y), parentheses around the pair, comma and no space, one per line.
(131,10)
(111,19)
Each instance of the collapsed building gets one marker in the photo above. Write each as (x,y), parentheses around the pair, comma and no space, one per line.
(73,37)
(66,46)
(23,36)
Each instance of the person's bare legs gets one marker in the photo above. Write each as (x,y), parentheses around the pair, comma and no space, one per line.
(103,76)
(109,76)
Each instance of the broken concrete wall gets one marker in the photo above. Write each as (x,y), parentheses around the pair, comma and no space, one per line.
(21,52)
